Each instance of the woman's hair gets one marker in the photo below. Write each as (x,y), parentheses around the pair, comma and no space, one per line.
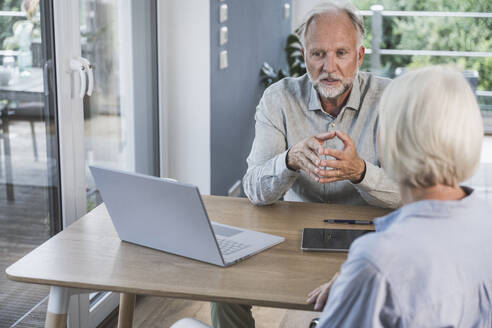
(430,128)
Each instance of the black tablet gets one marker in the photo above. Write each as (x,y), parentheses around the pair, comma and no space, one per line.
(334,240)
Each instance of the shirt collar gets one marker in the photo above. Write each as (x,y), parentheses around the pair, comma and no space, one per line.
(352,102)
(426,208)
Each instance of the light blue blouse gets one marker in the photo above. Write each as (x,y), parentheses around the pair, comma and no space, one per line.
(429,264)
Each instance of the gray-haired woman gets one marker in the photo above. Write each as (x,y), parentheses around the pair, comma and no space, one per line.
(429,264)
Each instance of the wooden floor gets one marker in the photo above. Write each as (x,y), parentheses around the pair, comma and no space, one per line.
(24,226)
(24,221)
(161,312)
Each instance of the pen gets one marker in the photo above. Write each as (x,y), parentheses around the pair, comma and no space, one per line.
(348,221)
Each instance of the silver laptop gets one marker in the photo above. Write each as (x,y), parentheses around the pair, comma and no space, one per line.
(170,216)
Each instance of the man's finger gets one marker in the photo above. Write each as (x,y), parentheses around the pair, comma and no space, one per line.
(314,144)
(307,165)
(309,168)
(314,176)
(333,163)
(312,156)
(325,136)
(338,154)
(347,141)
(332,173)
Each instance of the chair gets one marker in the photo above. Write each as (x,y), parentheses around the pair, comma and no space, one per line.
(314,323)
(4,134)
(30,112)
(26,111)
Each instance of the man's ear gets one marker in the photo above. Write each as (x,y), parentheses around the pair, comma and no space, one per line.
(302,52)
(360,55)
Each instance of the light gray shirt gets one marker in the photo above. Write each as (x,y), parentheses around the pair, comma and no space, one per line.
(427,265)
(289,112)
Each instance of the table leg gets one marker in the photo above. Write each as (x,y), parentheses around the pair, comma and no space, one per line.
(56,317)
(127,307)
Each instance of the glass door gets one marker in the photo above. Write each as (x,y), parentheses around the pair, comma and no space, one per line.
(107,77)
(29,162)
(120,117)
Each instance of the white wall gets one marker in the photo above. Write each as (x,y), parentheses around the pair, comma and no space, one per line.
(184,89)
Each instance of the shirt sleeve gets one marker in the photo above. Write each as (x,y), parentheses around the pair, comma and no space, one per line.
(268,178)
(378,189)
(360,297)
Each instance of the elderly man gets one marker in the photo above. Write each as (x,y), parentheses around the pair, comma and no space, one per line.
(316,134)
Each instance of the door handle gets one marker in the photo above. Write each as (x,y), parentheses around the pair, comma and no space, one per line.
(47,80)
(84,67)
(90,80)
(76,65)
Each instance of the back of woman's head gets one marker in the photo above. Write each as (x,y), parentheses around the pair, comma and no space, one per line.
(430,128)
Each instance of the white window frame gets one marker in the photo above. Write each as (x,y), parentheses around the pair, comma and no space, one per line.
(72,157)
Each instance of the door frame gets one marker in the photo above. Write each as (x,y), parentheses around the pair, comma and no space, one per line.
(71,147)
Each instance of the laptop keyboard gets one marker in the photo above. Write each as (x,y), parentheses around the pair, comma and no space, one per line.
(228,246)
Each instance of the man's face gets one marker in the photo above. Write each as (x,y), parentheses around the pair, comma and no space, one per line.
(331,54)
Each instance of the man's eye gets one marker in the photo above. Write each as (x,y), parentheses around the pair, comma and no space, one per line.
(317,54)
(341,52)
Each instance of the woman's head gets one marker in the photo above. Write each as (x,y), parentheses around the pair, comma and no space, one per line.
(430,128)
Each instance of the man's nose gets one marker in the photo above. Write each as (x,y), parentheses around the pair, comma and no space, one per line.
(329,65)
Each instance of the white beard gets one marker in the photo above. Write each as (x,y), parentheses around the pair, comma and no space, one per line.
(332,92)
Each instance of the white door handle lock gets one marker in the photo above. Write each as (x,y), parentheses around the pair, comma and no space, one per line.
(88,69)
(84,67)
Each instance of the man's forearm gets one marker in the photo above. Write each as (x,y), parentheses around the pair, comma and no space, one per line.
(266,183)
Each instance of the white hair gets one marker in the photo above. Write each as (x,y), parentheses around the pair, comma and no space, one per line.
(430,128)
(328,7)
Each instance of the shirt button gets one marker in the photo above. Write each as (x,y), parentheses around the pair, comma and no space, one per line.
(333,125)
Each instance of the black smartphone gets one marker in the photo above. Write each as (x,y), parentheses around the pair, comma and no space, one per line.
(334,240)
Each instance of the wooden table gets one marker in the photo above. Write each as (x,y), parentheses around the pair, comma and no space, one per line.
(25,88)
(89,255)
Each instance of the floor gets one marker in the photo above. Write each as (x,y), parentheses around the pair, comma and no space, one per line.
(24,225)
(24,222)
